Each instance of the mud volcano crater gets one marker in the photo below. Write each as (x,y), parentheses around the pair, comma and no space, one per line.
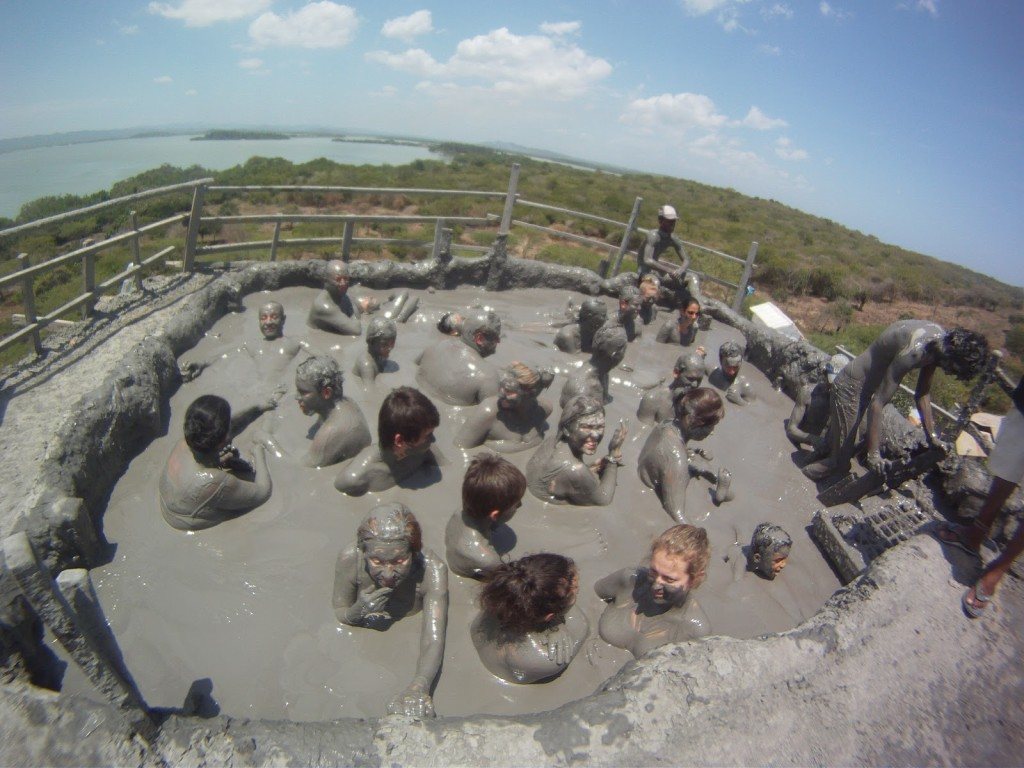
(237,620)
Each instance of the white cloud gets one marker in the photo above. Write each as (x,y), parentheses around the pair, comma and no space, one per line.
(163,80)
(127,29)
(727,11)
(407,27)
(677,112)
(250,63)
(560,27)
(784,148)
(777,10)
(316,25)
(769,50)
(759,121)
(385,92)
(702,7)
(502,62)
(829,12)
(202,13)
(929,6)
(191,92)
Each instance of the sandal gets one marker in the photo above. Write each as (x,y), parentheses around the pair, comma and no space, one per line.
(975,611)
(950,534)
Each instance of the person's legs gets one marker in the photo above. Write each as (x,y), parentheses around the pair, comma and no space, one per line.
(979,596)
(973,536)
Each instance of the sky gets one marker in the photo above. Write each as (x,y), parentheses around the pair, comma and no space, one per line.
(903,119)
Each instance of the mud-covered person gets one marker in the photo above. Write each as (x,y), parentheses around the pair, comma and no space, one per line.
(654,604)
(205,480)
(387,575)
(682,330)
(340,431)
(650,291)
(528,629)
(405,439)
(381,334)
(492,492)
(516,419)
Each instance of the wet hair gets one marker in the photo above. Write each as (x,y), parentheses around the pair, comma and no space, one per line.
(610,342)
(651,278)
(407,412)
(963,353)
(689,543)
(576,408)
(768,539)
(381,329)
(593,312)
(321,371)
(686,302)
(491,482)
(688,360)
(730,349)
(520,595)
(487,323)
(703,405)
(450,322)
(528,378)
(207,423)
(391,522)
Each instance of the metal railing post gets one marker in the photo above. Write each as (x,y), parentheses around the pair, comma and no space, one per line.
(626,236)
(89,284)
(28,298)
(748,269)
(274,242)
(194,220)
(510,201)
(346,241)
(136,254)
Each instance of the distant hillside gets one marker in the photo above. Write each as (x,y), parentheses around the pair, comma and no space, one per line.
(222,135)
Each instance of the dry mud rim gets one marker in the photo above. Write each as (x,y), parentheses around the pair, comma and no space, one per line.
(888,671)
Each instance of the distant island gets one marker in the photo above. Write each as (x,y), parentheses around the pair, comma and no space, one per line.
(239,135)
(382,140)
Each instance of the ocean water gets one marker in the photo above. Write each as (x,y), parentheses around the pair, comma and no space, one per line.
(82,168)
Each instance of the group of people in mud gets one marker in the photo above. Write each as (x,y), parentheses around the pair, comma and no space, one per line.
(528,629)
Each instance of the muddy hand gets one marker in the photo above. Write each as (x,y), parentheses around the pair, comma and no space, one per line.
(618,438)
(373,601)
(414,701)
(560,650)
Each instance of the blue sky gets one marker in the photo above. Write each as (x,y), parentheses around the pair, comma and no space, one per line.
(903,119)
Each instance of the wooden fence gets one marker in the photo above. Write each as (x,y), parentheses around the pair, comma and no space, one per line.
(195,219)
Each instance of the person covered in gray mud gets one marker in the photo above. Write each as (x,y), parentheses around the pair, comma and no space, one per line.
(514,420)
(657,242)
(863,388)
(682,330)
(529,629)
(629,309)
(492,492)
(381,334)
(272,356)
(591,378)
(578,336)
(808,423)
(405,440)
(340,431)
(666,465)
(455,369)
(450,324)
(206,481)
(335,310)
(657,405)
(653,605)
(650,291)
(769,550)
(727,375)
(387,575)
(557,473)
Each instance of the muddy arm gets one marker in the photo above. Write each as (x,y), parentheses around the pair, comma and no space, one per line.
(415,700)
(796,435)
(474,432)
(675,478)
(239,495)
(610,586)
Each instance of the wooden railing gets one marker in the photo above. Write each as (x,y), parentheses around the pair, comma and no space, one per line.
(195,220)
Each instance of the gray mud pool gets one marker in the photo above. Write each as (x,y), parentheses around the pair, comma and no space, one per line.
(244,608)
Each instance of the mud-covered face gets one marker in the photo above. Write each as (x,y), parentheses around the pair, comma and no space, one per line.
(337,283)
(770,564)
(388,563)
(421,444)
(629,307)
(381,348)
(689,376)
(585,434)
(485,342)
(688,315)
(310,399)
(271,323)
(730,365)
(512,394)
(648,292)
(779,561)
(669,577)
